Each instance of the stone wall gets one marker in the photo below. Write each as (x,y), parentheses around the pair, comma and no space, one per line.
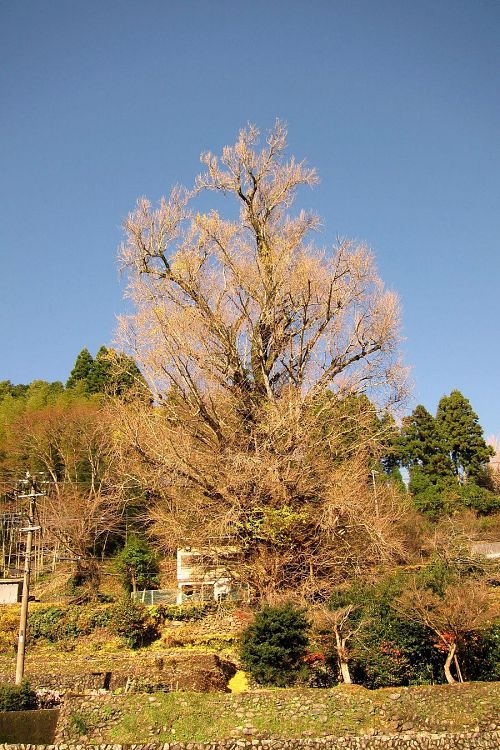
(36,727)
(157,671)
(97,712)
(422,741)
(101,712)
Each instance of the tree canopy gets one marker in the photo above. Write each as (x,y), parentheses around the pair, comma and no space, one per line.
(109,372)
(447,457)
(269,358)
(462,436)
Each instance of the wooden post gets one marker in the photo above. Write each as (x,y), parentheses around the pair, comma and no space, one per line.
(23,622)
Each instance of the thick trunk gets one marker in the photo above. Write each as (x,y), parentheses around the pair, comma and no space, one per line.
(344,670)
(449,658)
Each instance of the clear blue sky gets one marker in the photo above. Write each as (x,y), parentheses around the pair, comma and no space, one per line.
(396,102)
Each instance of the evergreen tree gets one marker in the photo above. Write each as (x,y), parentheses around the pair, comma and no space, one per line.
(274,645)
(81,370)
(113,372)
(138,564)
(422,445)
(462,435)
(126,374)
(99,378)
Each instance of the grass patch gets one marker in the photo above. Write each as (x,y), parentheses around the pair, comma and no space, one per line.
(202,717)
(78,724)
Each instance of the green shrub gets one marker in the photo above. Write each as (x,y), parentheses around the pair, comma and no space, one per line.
(389,652)
(46,623)
(479,499)
(17,697)
(274,645)
(162,613)
(386,650)
(132,622)
(481,659)
(78,724)
(56,624)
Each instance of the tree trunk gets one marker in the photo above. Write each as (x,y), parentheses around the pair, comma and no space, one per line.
(449,658)
(344,670)
(341,654)
(457,667)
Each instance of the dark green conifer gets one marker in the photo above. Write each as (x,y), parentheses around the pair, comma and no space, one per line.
(462,435)
(113,372)
(81,370)
(422,445)
(99,378)
(126,374)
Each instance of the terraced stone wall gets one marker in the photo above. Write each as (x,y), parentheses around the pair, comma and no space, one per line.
(190,671)
(422,741)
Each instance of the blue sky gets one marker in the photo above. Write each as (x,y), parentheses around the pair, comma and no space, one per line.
(396,102)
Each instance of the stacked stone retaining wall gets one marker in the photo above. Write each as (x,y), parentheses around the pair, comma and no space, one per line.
(422,741)
(158,671)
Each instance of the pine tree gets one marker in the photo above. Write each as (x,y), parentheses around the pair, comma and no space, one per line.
(422,445)
(462,435)
(110,372)
(81,370)
(99,379)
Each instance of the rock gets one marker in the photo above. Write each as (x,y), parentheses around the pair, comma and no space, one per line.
(407,726)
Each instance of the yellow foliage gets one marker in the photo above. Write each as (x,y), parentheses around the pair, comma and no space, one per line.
(9,626)
(239,682)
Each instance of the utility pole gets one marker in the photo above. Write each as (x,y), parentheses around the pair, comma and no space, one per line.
(31,528)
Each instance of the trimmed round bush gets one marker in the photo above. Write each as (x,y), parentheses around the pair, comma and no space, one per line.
(274,645)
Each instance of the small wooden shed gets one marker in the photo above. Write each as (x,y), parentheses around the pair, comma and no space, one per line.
(11,590)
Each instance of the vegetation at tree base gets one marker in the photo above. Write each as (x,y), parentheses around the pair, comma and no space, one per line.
(274,645)
(394,621)
(17,697)
(384,650)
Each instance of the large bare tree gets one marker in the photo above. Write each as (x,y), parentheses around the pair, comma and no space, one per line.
(266,356)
